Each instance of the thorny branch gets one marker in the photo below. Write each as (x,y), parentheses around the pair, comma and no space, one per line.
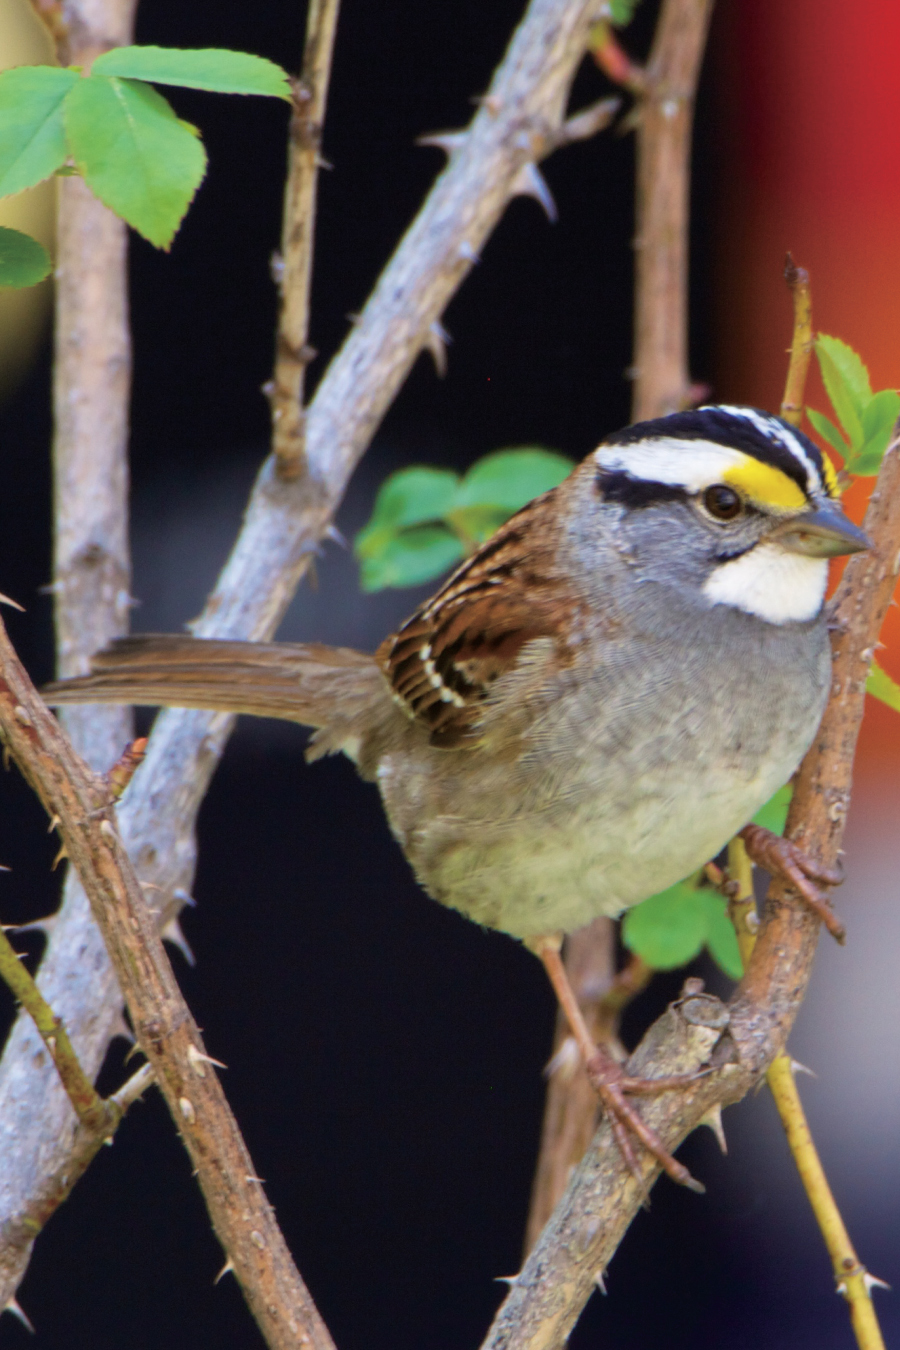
(79,802)
(520,120)
(738,1040)
(293,352)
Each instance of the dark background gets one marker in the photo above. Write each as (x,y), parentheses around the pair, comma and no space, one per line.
(384,1055)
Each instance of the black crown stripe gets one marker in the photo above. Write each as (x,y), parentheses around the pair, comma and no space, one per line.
(734,431)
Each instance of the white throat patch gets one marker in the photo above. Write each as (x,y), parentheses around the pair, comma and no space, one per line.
(772,583)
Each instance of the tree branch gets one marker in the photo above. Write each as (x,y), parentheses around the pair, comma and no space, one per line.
(293,352)
(80,803)
(739,1041)
(665,123)
(519,120)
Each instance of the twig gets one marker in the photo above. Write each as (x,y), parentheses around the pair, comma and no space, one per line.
(93,1112)
(293,352)
(802,342)
(521,118)
(242,1217)
(739,1041)
(665,120)
(851,1277)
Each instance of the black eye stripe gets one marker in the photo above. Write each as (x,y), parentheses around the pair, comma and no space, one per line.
(635,493)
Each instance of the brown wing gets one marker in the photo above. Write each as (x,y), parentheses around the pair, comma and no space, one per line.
(442,663)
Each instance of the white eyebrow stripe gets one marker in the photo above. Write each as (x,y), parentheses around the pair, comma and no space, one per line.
(693,465)
(772,429)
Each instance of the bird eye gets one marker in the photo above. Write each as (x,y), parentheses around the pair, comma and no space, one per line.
(722,502)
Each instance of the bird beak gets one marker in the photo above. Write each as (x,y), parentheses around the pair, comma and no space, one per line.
(824,532)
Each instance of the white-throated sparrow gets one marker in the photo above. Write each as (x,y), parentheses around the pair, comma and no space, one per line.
(596,700)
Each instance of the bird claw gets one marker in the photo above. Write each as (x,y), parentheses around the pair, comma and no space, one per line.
(781,857)
(611,1085)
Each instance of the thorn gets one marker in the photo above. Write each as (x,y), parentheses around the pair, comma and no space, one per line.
(276,272)
(44,926)
(490,101)
(467,252)
(600,1281)
(184,897)
(565,1061)
(872,1282)
(436,340)
(186,1107)
(59,857)
(106,829)
(14,604)
(13,1307)
(511,1280)
(172,933)
(197,1058)
(713,1119)
(448,141)
(530,182)
(323,163)
(797,1067)
(334,534)
(248,1176)
(227,1269)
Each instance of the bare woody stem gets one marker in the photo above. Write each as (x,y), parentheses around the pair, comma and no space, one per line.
(293,352)
(802,342)
(244,1222)
(666,117)
(739,1041)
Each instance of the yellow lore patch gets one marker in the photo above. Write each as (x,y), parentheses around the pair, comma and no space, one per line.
(765,486)
(829,477)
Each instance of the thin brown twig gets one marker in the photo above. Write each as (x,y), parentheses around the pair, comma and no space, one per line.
(802,342)
(662,207)
(522,117)
(243,1219)
(293,352)
(738,1041)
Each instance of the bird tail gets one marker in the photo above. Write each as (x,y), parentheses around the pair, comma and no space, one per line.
(333,688)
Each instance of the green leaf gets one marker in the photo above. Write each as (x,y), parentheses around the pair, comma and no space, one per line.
(475,524)
(880,685)
(621,12)
(721,938)
(134,153)
(878,420)
(23,261)
(411,557)
(414,496)
(669,929)
(773,815)
(829,432)
(509,479)
(846,382)
(32,140)
(213,68)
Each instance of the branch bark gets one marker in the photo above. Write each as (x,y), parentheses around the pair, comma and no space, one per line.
(80,803)
(520,120)
(91,583)
(666,119)
(739,1040)
(293,352)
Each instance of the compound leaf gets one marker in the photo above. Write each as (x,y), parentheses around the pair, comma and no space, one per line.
(134,153)
(829,432)
(508,479)
(212,68)
(23,261)
(846,381)
(878,420)
(32,138)
(721,938)
(669,929)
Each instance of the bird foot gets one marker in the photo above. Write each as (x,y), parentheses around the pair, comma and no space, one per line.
(612,1086)
(781,857)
